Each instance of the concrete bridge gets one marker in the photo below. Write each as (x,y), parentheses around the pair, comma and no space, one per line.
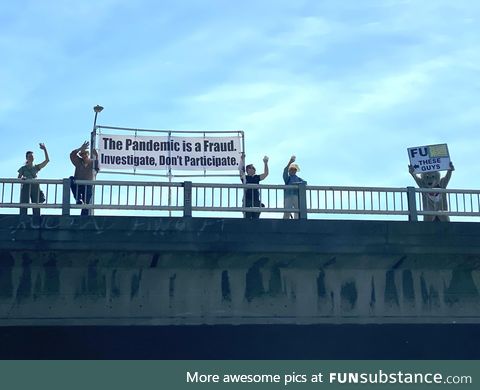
(234,288)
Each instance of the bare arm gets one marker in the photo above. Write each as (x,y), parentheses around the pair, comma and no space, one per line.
(47,159)
(265,168)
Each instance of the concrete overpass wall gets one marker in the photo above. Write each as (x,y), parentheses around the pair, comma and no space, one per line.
(175,271)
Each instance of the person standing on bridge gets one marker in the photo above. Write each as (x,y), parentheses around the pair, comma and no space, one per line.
(291,195)
(251,197)
(84,170)
(433,201)
(31,192)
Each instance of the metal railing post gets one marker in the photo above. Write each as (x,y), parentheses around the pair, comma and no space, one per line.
(66,197)
(302,201)
(412,204)
(187,199)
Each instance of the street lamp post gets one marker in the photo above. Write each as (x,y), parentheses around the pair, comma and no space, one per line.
(93,156)
(97,109)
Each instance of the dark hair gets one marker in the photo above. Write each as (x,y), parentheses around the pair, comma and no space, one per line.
(249,166)
(26,154)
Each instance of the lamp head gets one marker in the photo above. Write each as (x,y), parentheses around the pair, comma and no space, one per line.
(97,108)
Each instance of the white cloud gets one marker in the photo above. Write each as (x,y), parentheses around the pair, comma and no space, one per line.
(393,89)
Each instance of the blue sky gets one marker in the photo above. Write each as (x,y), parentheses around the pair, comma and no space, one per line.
(345,85)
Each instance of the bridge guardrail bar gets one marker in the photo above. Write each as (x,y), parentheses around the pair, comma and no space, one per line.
(190,199)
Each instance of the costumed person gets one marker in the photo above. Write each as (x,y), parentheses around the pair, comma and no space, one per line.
(291,194)
(251,196)
(31,192)
(85,169)
(433,201)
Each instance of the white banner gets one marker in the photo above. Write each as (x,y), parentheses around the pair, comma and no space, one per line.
(429,158)
(164,152)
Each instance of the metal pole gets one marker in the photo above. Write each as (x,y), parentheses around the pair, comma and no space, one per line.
(187,199)
(169,176)
(412,204)
(302,200)
(93,138)
(93,134)
(66,197)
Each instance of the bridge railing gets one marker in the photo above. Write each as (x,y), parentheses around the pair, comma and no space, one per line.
(456,202)
(189,199)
